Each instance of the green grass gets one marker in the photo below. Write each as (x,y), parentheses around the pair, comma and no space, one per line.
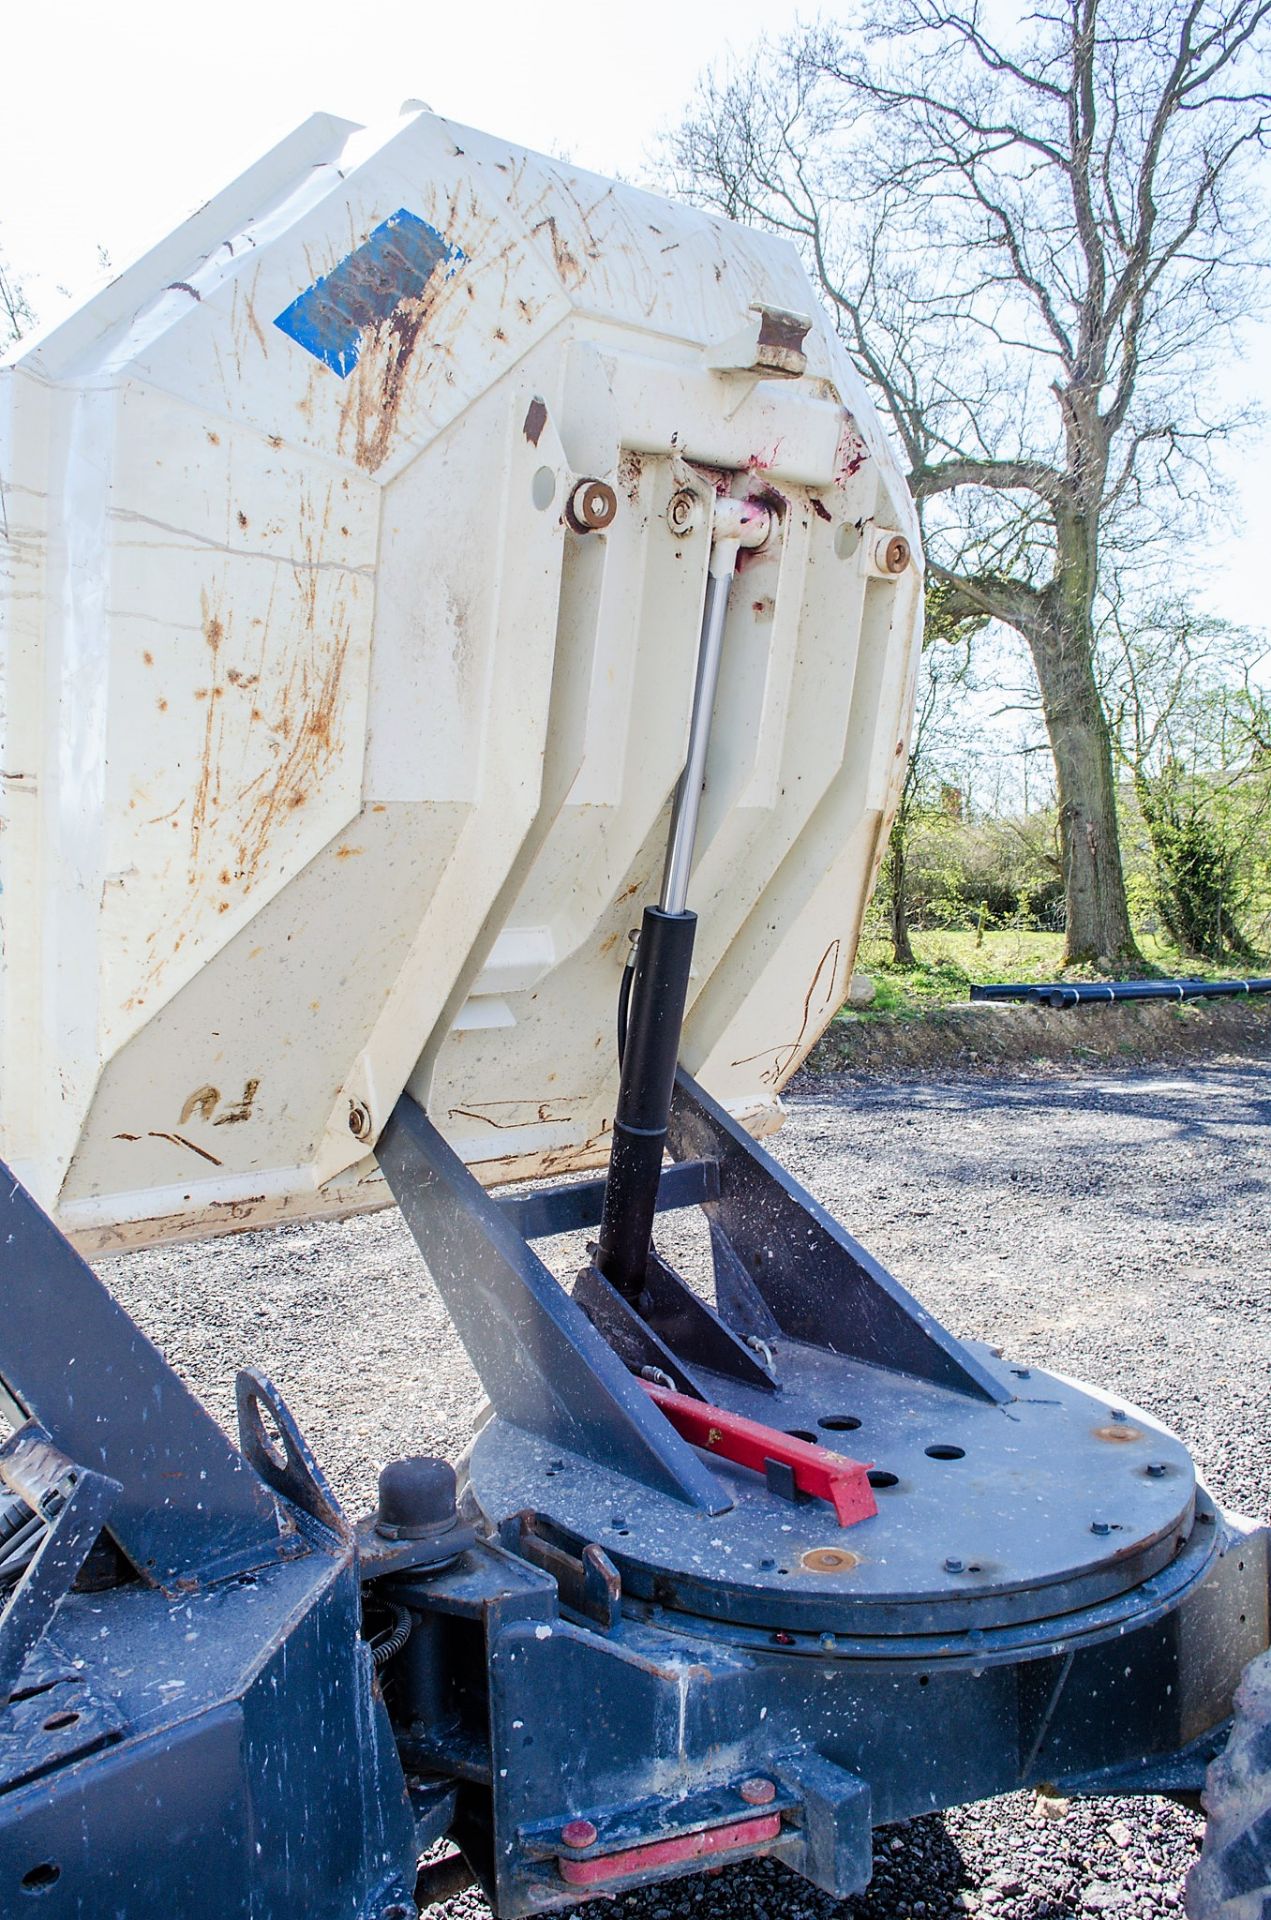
(950,963)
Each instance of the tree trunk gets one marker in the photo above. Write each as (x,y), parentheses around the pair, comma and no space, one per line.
(1094,886)
(902,948)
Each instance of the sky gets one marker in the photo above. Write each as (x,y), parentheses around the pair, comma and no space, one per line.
(117,120)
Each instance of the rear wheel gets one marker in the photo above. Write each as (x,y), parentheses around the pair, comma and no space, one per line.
(1232,1878)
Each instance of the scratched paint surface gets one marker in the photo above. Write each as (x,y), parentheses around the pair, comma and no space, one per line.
(331,318)
(241,605)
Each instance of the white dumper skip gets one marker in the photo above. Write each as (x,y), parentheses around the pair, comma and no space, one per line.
(338,748)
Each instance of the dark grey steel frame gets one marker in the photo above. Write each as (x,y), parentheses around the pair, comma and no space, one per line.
(198,1726)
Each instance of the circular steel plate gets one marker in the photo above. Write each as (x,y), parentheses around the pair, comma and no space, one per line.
(987,1515)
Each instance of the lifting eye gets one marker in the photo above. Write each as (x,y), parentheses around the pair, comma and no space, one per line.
(40,1879)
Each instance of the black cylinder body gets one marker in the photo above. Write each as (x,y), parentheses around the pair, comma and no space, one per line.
(649,1060)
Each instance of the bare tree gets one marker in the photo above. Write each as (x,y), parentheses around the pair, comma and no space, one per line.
(16,313)
(1035,247)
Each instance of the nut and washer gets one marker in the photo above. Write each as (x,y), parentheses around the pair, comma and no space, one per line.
(592,506)
(684,514)
(889,555)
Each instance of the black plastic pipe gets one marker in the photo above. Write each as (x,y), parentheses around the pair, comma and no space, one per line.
(1058,993)
(659,990)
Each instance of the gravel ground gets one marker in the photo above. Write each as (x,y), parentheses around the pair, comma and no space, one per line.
(1114,1226)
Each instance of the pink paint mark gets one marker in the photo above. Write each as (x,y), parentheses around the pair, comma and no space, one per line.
(852,452)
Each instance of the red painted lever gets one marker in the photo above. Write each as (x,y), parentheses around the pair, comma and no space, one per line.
(825,1475)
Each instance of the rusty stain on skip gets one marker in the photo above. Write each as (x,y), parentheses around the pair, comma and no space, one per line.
(565,261)
(785,1057)
(533,1112)
(242,1108)
(179,1140)
(378,383)
(203,1101)
(535,421)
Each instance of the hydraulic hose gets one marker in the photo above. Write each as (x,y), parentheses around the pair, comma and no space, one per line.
(624,998)
(393,1639)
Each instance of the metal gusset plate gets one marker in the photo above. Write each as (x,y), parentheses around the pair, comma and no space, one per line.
(189,1506)
(73,1504)
(784,1265)
(543,1364)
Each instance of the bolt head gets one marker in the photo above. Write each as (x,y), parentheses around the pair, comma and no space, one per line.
(1156,1469)
(416,1498)
(1100,1527)
(757,1792)
(578,1833)
(1118,1413)
(829,1560)
(684,513)
(953,1565)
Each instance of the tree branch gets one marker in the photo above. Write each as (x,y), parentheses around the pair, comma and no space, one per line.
(1025,476)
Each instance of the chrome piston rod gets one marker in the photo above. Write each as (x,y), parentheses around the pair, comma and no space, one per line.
(659,986)
(738,524)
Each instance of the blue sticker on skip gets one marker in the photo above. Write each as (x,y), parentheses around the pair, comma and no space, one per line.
(396,263)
